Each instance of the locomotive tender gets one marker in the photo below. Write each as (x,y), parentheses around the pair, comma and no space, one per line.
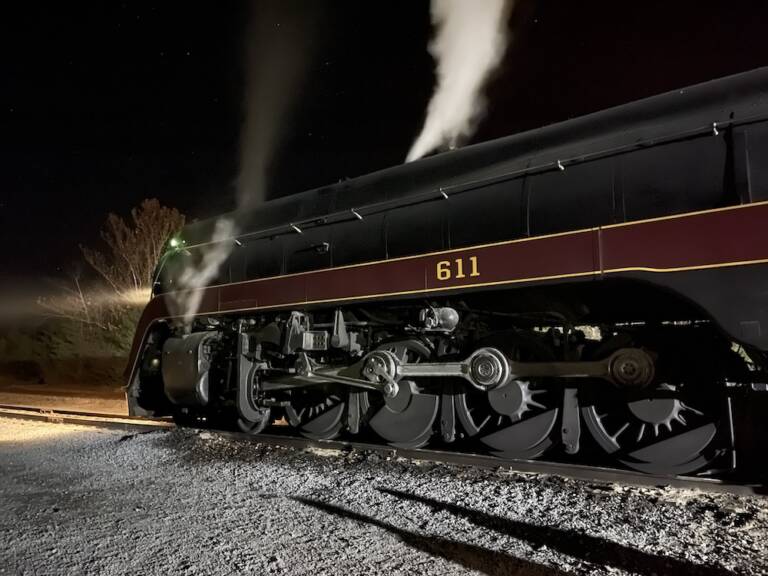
(597,286)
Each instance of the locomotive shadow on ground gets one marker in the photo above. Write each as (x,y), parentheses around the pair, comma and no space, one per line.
(490,562)
(589,548)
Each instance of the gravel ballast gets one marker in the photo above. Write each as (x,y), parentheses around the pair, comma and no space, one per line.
(77,500)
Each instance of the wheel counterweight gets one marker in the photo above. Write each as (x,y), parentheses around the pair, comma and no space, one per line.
(658,432)
(514,420)
(407,419)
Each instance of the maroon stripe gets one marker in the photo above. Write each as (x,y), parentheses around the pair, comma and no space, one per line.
(271,292)
(359,281)
(697,240)
(554,256)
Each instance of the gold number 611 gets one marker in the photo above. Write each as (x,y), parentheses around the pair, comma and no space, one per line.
(447,269)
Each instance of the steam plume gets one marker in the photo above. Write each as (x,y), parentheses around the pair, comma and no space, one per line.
(186,301)
(469,42)
(277,43)
(277,49)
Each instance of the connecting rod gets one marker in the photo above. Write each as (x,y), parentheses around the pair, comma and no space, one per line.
(484,369)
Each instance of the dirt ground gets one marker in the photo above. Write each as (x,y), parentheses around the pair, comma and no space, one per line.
(75,500)
(81,398)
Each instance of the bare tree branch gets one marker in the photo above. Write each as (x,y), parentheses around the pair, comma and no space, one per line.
(134,247)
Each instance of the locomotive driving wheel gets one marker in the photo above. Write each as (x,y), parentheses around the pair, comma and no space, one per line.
(317,413)
(657,431)
(405,420)
(516,419)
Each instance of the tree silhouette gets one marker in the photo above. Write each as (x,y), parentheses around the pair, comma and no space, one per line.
(134,246)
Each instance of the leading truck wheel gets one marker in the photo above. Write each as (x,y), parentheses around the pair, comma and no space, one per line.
(407,419)
(257,425)
(317,413)
(657,431)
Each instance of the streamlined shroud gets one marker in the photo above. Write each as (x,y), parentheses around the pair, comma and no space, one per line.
(595,290)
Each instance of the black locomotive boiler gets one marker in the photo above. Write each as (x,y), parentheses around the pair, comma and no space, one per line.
(594,291)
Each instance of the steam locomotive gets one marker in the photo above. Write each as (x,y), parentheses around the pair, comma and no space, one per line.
(591,291)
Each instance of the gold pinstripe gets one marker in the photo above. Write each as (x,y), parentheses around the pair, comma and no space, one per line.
(413,257)
(687,214)
(687,268)
(481,285)
(492,244)
(499,282)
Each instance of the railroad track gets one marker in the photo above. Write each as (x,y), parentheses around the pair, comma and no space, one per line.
(126,423)
(600,475)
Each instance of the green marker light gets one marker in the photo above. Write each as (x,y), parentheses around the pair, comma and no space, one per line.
(175,243)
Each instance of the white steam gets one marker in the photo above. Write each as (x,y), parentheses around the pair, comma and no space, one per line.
(278,41)
(186,300)
(278,47)
(469,42)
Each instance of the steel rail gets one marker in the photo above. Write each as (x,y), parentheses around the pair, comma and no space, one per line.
(580,472)
(93,419)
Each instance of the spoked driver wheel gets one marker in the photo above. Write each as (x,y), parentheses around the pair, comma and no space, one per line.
(316,412)
(658,431)
(407,419)
(514,420)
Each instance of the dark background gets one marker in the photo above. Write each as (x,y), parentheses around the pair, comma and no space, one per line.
(107,103)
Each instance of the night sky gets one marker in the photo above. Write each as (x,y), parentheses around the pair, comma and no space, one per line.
(104,104)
